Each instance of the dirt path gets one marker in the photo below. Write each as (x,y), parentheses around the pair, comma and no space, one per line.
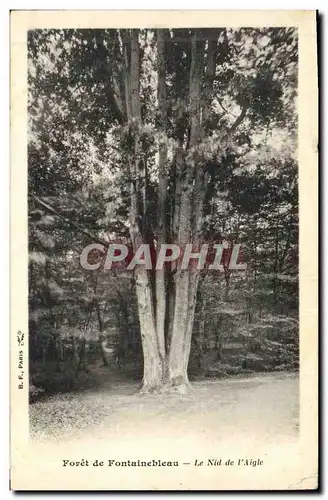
(263,407)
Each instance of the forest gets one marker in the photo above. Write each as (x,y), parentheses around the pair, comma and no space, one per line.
(161,136)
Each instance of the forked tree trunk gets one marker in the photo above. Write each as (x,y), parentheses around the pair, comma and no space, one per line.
(166,323)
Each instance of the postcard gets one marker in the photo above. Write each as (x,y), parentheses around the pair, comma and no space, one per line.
(164,237)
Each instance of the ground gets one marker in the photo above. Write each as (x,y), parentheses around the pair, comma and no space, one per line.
(245,419)
(263,407)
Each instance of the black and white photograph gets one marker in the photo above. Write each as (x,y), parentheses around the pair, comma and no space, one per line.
(162,344)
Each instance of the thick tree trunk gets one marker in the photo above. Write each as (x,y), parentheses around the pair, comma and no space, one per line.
(185,284)
(177,371)
(152,376)
(162,193)
(153,369)
(179,342)
(187,280)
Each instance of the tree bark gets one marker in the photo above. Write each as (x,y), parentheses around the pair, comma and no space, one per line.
(162,193)
(152,376)
(187,280)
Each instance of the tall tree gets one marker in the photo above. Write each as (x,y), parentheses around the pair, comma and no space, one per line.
(178,112)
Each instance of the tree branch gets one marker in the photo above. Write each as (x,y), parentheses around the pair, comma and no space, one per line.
(69,221)
(226,110)
(238,121)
